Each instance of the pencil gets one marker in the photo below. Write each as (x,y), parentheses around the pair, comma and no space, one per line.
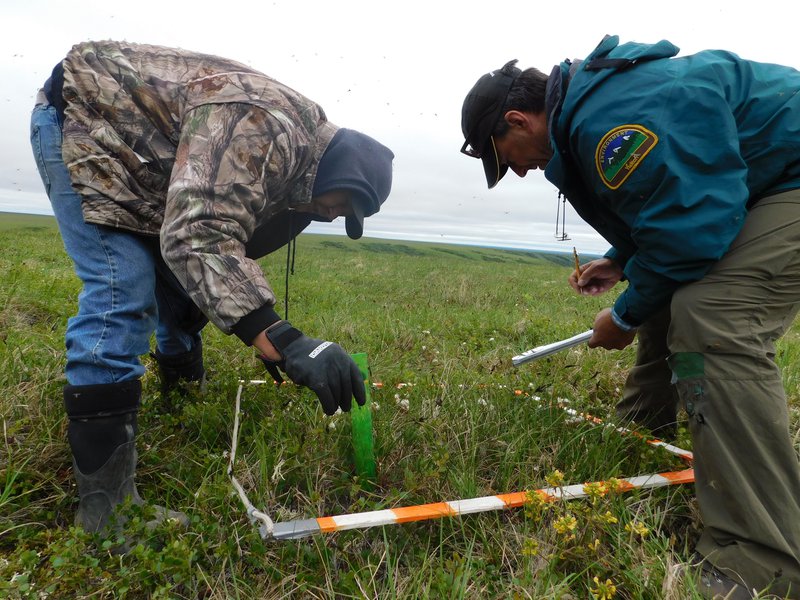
(577,262)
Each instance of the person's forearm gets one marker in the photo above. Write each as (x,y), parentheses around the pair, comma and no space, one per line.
(265,347)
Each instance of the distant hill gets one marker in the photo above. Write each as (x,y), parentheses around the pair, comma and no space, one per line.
(9,220)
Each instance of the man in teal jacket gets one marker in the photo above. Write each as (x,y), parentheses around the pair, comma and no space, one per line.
(690,168)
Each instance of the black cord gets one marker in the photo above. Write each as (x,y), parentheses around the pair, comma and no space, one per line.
(294,252)
(289,261)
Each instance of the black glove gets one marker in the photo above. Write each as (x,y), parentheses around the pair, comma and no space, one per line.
(324,367)
(272,369)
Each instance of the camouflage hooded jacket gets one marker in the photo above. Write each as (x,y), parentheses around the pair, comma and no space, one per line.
(198,149)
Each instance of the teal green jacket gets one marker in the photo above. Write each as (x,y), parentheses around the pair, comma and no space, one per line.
(664,156)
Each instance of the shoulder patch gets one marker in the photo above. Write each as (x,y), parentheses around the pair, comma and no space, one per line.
(620,151)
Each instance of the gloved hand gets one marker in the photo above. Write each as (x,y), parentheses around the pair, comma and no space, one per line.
(272,369)
(324,367)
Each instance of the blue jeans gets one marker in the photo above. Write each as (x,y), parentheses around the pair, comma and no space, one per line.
(128,291)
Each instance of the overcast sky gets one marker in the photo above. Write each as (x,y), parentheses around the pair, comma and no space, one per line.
(397,71)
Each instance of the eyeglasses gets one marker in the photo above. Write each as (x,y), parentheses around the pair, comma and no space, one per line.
(469,150)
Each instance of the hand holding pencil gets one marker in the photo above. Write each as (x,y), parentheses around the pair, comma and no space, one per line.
(599,275)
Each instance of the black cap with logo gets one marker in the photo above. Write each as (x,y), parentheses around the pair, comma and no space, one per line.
(480,113)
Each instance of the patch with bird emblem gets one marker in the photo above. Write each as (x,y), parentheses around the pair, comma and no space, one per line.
(620,151)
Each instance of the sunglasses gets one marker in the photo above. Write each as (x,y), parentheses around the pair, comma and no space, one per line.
(474,153)
(469,150)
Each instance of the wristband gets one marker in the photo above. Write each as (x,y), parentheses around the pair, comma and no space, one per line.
(281,334)
(619,322)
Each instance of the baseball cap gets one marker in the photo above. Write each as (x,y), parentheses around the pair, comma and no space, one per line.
(481,112)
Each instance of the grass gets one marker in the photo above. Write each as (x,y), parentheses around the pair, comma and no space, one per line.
(445,320)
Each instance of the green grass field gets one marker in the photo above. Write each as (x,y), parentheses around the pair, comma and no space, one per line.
(445,321)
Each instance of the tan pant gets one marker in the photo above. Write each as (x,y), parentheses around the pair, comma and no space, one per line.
(720,335)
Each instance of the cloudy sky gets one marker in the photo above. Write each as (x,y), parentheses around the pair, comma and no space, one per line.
(397,71)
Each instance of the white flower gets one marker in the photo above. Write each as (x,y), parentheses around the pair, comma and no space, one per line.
(277,475)
(403,403)
(482,401)
(332,425)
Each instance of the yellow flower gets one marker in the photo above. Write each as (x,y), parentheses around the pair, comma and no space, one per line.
(615,485)
(609,518)
(637,528)
(603,590)
(535,505)
(594,546)
(595,490)
(535,499)
(555,479)
(530,548)
(565,524)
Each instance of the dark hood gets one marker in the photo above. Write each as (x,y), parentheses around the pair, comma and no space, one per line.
(355,162)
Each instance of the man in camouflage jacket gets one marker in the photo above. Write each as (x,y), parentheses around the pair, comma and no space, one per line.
(169,173)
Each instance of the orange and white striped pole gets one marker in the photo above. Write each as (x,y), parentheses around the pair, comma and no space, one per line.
(423,512)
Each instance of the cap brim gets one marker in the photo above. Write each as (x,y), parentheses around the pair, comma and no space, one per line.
(491,164)
(354,224)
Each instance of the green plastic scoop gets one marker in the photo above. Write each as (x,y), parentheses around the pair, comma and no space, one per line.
(361,424)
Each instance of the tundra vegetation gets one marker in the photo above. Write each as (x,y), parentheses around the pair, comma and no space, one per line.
(452,419)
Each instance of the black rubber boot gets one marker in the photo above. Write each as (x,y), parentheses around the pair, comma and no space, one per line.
(713,584)
(102,436)
(181,372)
